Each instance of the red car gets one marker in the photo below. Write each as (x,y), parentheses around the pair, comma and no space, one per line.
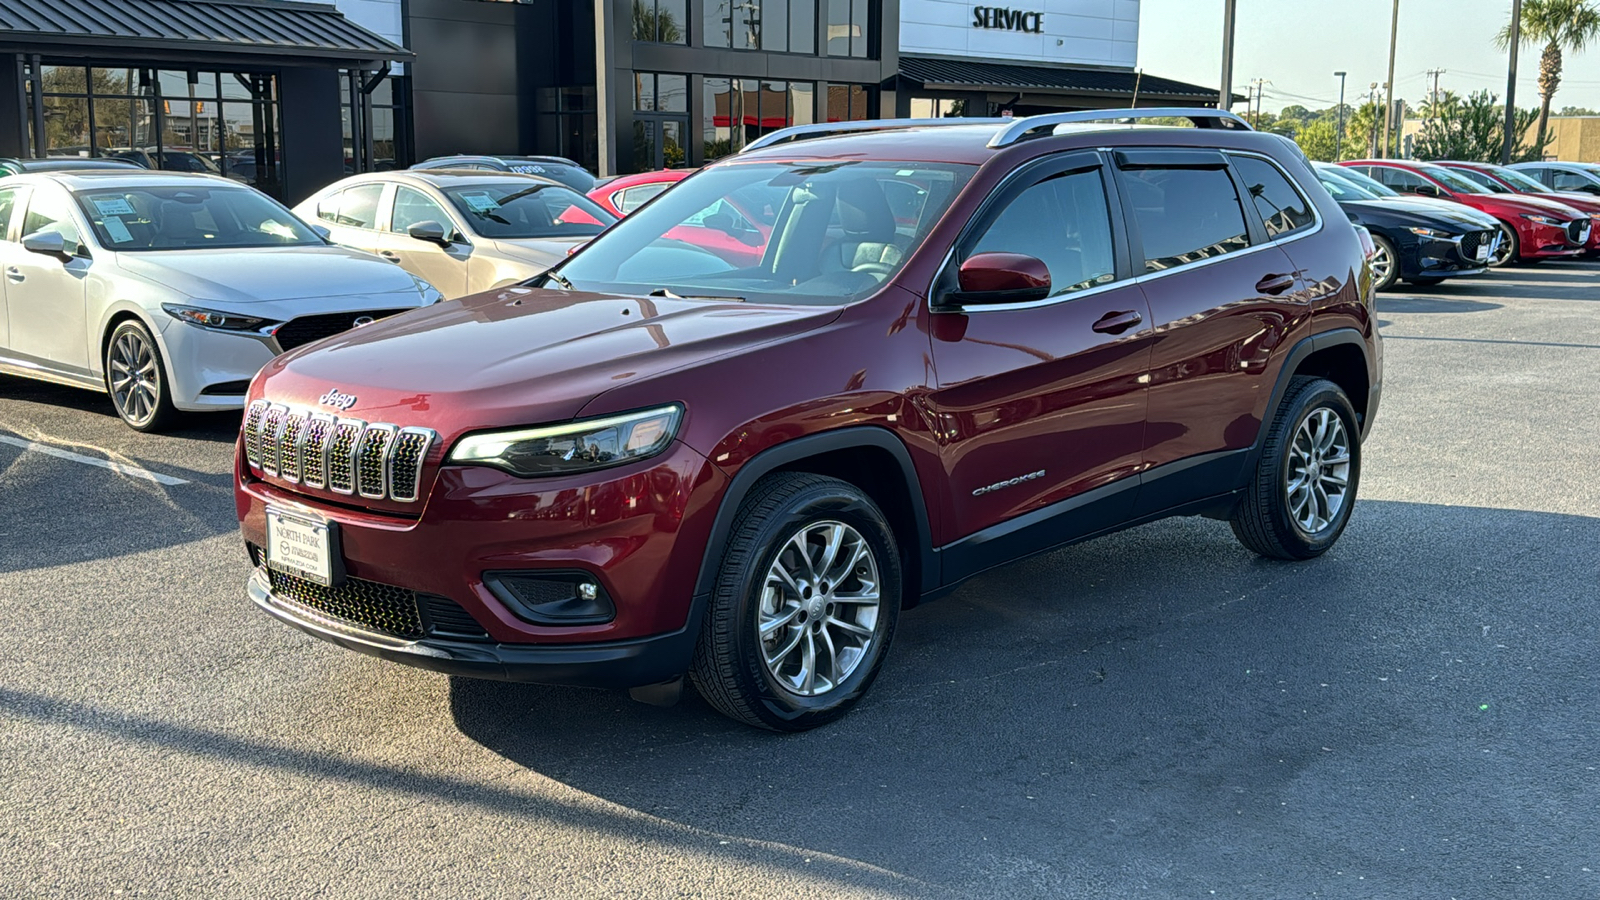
(1534,228)
(626,193)
(735,228)
(968,343)
(1506,180)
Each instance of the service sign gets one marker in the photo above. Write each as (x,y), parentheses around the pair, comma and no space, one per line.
(1076,32)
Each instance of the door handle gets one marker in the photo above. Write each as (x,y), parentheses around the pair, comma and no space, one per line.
(1117,322)
(1275,284)
(14,275)
(390,255)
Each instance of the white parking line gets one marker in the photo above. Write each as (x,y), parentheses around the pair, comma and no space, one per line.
(120,468)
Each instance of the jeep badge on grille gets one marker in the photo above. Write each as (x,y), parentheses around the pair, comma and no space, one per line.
(337,400)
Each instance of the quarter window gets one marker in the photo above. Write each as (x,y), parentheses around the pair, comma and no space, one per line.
(412,207)
(1281,207)
(1185,215)
(1064,222)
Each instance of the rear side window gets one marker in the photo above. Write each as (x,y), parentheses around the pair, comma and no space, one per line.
(1185,215)
(633,198)
(1282,208)
(1064,222)
(8,203)
(355,207)
(1399,179)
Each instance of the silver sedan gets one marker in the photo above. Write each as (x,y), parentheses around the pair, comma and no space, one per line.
(463,231)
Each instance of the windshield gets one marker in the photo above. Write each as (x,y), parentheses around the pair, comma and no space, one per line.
(1451,179)
(517,209)
(190,218)
(1483,180)
(1519,181)
(821,233)
(1342,188)
(1370,185)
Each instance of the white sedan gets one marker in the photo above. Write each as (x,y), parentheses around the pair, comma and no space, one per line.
(170,291)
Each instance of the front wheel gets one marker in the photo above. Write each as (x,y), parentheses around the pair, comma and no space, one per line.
(805,605)
(1509,248)
(136,380)
(1305,482)
(1385,264)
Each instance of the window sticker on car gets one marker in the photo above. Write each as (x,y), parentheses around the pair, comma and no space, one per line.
(119,232)
(480,201)
(114,206)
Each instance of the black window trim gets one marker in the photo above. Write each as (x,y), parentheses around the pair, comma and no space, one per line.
(1037,172)
(1296,234)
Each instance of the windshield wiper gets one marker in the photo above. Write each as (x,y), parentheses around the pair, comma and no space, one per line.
(559,279)
(673,295)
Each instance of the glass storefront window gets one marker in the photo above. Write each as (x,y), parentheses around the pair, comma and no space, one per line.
(847,102)
(929,108)
(388,151)
(847,28)
(737,111)
(776,26)
(567,124)
(661,21)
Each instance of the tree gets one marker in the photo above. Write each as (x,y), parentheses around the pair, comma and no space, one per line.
(1559,25)
(652,24)
(1474,131)
(1318,140)
(1434,107)
(1362,131)
(1577,111)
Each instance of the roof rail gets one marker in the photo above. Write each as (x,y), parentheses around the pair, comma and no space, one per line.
(827,129)
(1201,117)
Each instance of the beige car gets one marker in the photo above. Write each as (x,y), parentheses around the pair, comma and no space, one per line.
(461,231)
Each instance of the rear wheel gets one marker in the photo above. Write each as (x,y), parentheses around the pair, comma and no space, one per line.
(804,607)
(1385,264)
(136,379)
(1305,482)
(1508,250)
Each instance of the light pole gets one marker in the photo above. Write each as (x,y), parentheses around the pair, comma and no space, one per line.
(1388,87)
(1338,138)
(1225,99)
(1511,85)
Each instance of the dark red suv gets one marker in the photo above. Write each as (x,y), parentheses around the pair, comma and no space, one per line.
(961,343)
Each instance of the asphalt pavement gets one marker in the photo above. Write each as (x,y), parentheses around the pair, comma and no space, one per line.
(1153,714)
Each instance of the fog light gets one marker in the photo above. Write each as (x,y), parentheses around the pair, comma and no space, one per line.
(546,597)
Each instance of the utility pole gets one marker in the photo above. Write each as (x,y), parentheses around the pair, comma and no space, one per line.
(1433,95)
(1388,104)
(1511,85)
(1225,99)
(1338,138)
(1256,85)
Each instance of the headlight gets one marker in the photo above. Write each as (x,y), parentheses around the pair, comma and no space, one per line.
(430,294)
(574,446)
(1545,220)
(1432,233)
(213,319)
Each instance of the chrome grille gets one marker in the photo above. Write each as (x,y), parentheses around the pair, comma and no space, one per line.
(376,460)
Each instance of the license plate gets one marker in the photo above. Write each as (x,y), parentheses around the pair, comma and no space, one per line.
(1482,252)
(302,546)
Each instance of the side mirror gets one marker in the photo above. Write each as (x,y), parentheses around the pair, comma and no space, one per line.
(1002,278)
(721,221)
(47,243)
(1592,188)
(1426,190)
(429,231)
(322,231)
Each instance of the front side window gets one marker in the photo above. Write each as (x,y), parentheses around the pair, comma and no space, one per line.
(514,209)
(412,207)
(1568,181)
(49,213)
(1453,180)
(1065,223)
(1185,215)
(190,218)
(1281,207)
(795,233)
(1483,180)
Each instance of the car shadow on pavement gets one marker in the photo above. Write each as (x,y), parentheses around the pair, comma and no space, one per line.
(1389,303)
(1161,699)
(217,427)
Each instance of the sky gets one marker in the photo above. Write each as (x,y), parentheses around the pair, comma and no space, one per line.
(1297,45)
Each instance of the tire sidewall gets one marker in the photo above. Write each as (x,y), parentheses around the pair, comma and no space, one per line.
(163,384)
(1394,264)
(1510,234)
(779,707)
(1320,394)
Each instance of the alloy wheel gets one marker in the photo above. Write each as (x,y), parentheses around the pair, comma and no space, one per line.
(1501,253)
(819,608)
(1317,478)
(1382,264)
(134,377)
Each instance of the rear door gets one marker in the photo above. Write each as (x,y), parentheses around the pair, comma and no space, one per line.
(1223,295)
(351,215)
(8,204)
(1040,406)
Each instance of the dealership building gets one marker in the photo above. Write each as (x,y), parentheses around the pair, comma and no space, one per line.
(290,95)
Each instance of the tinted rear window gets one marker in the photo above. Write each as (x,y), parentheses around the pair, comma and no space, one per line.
(1185,215)
(1282,208)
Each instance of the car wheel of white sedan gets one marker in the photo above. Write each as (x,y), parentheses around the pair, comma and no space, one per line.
(136,379)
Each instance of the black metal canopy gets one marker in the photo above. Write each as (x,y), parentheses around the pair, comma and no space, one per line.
(965,75)
(271,29)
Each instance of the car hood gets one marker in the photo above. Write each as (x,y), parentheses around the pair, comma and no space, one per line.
(520,356)
(543,251)
(1406,213)
(1588,203)
(269,273)
(1530,205)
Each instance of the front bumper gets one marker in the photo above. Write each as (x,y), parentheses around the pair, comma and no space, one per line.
(1541,241)
(611,664)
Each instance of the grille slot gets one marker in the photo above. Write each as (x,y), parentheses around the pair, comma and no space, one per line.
(445,617)
(1470,242)
(376,460)
(304,330)
(382,608)
(1577,231)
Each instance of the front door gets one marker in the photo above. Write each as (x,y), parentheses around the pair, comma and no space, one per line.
(444,267)
(1040,406)
(45,295)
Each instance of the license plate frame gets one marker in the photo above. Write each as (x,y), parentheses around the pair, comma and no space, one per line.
(305,546)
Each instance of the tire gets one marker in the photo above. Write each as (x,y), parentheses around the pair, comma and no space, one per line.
(1385,264)
(1425,282)
(754,679)
(1274,518)
(142,396)
(1510,250)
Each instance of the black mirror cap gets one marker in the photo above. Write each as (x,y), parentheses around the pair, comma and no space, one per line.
(429,231)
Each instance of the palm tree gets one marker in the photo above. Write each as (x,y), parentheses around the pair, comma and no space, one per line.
(1559,25)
